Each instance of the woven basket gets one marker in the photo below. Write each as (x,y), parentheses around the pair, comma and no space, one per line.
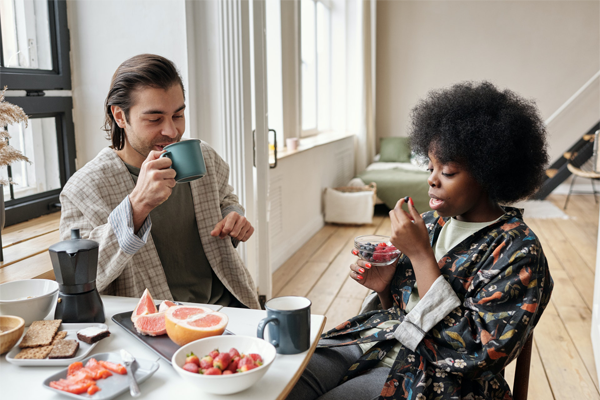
(351,189)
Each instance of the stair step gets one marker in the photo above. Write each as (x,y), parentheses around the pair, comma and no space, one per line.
(551,172)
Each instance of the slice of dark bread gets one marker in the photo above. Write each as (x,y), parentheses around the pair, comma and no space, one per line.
(92,334)
(64,349)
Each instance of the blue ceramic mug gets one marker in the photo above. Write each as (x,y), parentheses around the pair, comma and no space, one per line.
(188,161)
(288,319)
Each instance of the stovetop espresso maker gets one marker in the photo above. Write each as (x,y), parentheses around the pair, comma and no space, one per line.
(75,263)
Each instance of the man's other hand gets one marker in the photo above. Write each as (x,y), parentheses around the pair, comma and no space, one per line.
(233,225)
(154,186)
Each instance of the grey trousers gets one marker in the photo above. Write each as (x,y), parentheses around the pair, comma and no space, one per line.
(326,369)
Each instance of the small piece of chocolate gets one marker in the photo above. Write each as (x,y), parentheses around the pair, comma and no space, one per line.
(92,334)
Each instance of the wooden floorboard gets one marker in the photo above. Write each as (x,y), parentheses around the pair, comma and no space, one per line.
(562,363)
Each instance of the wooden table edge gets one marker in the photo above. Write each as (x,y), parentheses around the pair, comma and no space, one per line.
(296,377)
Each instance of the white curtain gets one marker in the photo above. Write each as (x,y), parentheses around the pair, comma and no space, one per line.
(361,78)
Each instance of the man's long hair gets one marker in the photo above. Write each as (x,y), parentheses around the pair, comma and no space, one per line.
(141,71)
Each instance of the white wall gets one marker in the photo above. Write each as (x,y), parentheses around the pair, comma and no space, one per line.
(103,35)
(544,50)
(296,192)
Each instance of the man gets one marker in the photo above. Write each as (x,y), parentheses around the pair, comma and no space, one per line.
(177,240)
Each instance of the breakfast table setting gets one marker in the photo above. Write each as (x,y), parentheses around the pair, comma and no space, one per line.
(156,376)
(61,338)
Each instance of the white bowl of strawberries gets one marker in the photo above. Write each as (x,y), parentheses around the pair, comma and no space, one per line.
(224,364)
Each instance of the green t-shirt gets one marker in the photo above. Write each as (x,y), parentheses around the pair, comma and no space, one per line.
(175,233)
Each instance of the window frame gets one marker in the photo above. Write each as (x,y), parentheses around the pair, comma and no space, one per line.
(304,133)
(59,78)
(25,208)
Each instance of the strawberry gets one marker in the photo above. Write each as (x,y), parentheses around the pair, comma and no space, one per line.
(191,367)
(206,362)
(233,365)
(214,353)
(256,357)
(222,361)
(227,372)
(247,367)
(234,353)
(213,371)
(382,244)
(246,360)
(192,358)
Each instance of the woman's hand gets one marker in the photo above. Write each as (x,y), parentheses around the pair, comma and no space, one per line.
(409,234)
(377,279)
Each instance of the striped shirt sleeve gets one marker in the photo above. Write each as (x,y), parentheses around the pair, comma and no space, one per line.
(121,221)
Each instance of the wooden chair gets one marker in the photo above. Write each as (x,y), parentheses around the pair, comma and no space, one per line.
(521,382)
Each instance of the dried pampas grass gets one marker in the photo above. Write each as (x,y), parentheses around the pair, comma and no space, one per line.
(9,114)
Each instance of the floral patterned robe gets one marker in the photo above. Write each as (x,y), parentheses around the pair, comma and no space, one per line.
(501,276)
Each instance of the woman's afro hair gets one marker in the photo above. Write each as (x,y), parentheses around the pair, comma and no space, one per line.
(498,135)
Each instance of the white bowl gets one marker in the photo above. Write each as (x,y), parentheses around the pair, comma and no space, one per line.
(225,384)
(30,299)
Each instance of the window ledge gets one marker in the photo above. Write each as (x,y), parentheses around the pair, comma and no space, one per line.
(310,143)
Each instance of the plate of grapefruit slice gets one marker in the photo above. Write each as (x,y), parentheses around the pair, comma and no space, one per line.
(168,326)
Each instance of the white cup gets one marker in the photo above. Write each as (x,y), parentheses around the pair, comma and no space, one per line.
(292,144)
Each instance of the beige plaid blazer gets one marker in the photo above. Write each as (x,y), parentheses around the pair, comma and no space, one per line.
(94,191)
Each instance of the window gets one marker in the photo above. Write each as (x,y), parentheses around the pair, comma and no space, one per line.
(315,45)
(34,57)
(35,45)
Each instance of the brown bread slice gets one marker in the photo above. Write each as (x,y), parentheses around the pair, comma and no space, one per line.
(64,349)
(40,333)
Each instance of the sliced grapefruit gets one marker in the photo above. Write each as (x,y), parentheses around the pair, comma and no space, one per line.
(164,306)
(145,306)
(188,323)
(151,324)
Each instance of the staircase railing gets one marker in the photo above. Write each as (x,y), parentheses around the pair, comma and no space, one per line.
(572,98)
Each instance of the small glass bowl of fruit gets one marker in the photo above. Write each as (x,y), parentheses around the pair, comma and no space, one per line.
(375,249)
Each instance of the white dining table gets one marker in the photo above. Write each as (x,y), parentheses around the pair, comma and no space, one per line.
(25,382)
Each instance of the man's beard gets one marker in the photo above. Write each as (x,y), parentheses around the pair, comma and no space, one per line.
(144,150)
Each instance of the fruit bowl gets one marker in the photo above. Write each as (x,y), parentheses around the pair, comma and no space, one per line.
(375,249)
(225,384)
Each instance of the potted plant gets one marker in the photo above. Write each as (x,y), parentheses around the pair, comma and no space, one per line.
(9,114)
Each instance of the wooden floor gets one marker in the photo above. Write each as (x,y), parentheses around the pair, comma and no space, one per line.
(562,365)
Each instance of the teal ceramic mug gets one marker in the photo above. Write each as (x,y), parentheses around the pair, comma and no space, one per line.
(288,320)
(188,161)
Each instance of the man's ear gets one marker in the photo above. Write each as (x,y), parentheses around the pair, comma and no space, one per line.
(119,116)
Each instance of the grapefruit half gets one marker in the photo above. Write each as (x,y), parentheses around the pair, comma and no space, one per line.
(145,306)
(188,323)
(151,324)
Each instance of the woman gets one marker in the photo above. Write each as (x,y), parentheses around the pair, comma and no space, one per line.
(472,281)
